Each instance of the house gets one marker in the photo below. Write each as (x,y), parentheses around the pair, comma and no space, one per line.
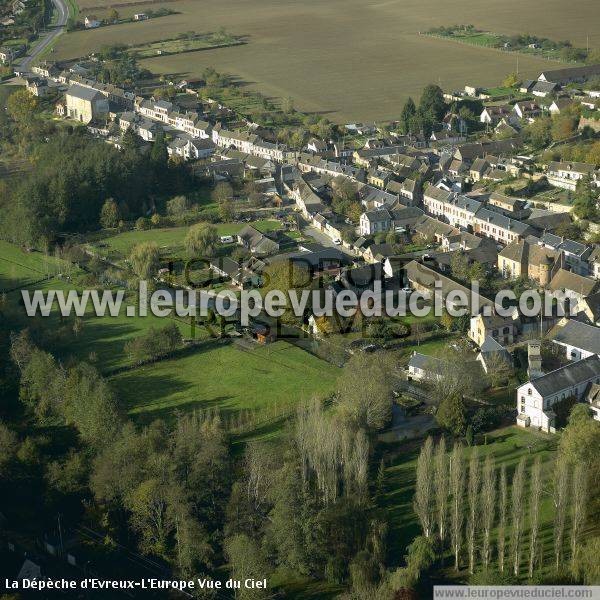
(377,253)
(379,177)
(423,279)
(566,174)
(422,367)
(578,340)
(559,105)
(502,329)
(47,70)
(546,220)
(509,205)
(255,241)
(576,254)
(576,286)
(543,89)
(570,74)
(592,397)
(197,148)
(408,190)
(9,53)
(237,273)
(91,22)
(148,130)
(527,110)
(85,104)
(536,398)
(589,309)
(446,136)
(375,221)
(594,262)
(306,200)
(521,258)
(491,353)
(478,169)
(491,115)
(499,227)
(428,229)
(36,86)
(317,146)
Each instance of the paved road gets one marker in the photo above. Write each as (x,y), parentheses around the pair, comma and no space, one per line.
(49,36)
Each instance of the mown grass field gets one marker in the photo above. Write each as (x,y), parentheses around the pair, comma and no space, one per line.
(168,239)
(350,59)
(506,446)
(20,269)
(225,376)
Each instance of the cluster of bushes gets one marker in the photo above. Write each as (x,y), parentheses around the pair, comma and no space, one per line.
(155,344)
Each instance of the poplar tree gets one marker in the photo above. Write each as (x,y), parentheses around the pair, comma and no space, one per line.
(503,509)
(578,508)
(560,498)
(518,486)
(457,487)
(473,503)
(441,487)
(488,507)
(423,502)
(534,512)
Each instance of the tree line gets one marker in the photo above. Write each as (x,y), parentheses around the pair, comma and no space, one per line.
(490,521)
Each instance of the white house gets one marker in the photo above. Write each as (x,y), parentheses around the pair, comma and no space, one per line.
(375,221)
(579,340)
(421,366)
(566,174)
(91,22)
(536,398)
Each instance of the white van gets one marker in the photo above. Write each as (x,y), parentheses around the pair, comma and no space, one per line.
(226,239)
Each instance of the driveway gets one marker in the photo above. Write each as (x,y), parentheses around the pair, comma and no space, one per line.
(325,240)
(46,38)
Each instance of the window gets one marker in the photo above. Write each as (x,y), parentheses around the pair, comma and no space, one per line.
(529,391)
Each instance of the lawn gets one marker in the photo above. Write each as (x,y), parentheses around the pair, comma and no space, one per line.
(226,376)
(20,269)
(506,445)
(296,49)
(170,238)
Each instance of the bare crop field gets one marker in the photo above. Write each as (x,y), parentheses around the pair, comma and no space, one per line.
(350,59)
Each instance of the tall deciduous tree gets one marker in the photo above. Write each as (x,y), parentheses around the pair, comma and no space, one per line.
(535,498)
(518,515)
(201,239)
(560,498)
(424,501)
(488,507)
(579,501)
(502,516)
(473,503)
(441,485)
(145,259)
(457,488)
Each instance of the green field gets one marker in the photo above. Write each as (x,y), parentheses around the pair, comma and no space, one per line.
(352,59)
(506,445)
(177,46)
(168,239)
(225,376)
(20,269)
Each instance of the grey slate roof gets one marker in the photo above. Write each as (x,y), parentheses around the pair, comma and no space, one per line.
(568,376)
(577,334)
(424,362)
(83,93)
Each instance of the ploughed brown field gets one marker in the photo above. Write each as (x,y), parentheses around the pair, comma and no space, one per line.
(350,59)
